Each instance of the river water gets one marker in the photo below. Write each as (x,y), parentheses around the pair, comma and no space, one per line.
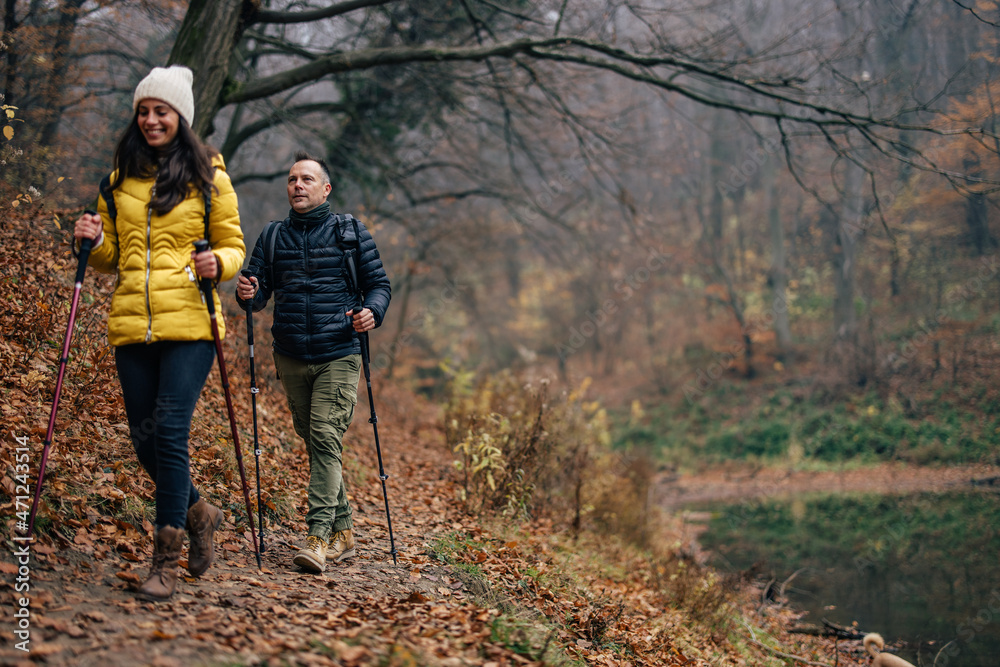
(921,568)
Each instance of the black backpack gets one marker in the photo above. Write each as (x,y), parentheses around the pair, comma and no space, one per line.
(109,199)
(271,233)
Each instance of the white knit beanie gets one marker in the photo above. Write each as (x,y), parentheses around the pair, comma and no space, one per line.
(170,84)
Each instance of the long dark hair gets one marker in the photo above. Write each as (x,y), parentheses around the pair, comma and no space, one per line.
(185,166)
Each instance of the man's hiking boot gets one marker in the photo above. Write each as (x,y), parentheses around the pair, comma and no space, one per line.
(163,574)
(341,546)
(312,557)
(202,522)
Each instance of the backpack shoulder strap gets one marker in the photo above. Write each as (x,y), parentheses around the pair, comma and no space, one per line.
(270,234)
(105,193)
(108,196)
(353,254)
(208,204)
(336,220)
(357,233)
(208,211)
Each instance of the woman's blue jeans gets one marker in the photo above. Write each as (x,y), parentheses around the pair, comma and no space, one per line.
(161,383)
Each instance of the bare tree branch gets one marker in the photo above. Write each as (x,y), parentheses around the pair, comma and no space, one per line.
(972,10)
(634,66)
(271,16)
(281,115)
(559,20)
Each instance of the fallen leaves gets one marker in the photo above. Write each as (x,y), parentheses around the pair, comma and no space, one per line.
(96,514)
(130,577)
(349,655)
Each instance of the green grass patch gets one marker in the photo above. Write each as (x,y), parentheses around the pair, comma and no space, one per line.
(783,428)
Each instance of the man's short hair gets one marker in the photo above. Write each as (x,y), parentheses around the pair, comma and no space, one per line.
(302,155)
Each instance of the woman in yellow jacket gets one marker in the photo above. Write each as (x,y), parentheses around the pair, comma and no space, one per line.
(150,213)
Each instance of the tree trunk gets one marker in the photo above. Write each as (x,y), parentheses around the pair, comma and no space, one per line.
(718,161)
(721,182)
(9,27)
(850,226)
(850,229)
(205,43)
(975,209)
(779,275)
(69,14)
(404,306)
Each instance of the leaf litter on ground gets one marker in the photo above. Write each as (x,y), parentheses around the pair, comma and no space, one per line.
(524,595)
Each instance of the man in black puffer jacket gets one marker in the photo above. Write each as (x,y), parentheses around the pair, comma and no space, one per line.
(302,262)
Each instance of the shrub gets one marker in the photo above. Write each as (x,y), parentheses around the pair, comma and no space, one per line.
(521,451)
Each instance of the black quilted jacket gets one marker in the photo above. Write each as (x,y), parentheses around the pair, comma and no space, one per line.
(310,288)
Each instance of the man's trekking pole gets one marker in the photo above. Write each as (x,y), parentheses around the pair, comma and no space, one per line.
(206,288)
(81,269)
(378,450)
(363,338)
(253,400)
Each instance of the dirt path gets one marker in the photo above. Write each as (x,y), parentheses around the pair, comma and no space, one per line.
(537,594)
(86,614)
(735,483)
(364,611)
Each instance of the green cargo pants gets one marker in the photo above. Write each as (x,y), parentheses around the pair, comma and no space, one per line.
(322,399)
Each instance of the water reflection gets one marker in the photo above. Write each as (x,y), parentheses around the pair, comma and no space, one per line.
(923,568)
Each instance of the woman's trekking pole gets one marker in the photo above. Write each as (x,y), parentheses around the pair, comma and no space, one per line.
(253,400)
(352,274)
(206,288)
(81,269)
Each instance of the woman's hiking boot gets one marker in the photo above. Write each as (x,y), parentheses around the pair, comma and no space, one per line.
(312,556)
(341,546)
(202,522)
(163,574)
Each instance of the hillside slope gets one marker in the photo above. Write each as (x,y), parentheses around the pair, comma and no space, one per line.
(465,591)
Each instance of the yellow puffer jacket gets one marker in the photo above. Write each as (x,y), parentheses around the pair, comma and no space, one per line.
(157,296)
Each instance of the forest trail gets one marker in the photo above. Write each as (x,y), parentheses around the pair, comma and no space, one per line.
(466,591)
(84,611)
(94,521)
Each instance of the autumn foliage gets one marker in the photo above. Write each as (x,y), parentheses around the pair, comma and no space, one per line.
(554,582)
